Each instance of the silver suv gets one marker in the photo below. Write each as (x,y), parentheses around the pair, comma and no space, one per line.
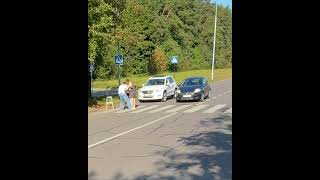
(158,88)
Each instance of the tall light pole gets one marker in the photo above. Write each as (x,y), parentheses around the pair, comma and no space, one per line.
(214,40)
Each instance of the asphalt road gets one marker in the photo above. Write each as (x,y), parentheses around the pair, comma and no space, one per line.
(164,140)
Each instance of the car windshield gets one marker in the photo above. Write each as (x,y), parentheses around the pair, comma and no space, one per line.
(153,82)
(192,82)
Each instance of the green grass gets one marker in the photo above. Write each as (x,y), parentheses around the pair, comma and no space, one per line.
(219,74)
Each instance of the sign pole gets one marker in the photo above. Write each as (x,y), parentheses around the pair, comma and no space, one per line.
(174,70)
(119,73)
(91,84)
(119,64)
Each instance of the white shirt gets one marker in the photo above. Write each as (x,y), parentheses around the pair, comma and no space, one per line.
(122,88)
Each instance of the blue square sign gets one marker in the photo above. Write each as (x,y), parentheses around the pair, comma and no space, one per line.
(174,59)
(91,67)
(118,59)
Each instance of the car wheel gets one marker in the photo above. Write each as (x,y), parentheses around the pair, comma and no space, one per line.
(177,100)
(164,98)
(202,97)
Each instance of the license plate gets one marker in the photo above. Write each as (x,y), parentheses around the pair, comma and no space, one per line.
(147,95)
(187,96)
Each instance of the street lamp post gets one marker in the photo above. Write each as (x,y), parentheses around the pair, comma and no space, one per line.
(214,40)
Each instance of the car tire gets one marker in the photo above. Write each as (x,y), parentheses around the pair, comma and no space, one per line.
(178,101)
(202,97)
(141,101)
(164,97)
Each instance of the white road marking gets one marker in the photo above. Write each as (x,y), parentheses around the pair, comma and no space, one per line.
(199,103)
(145,109)
(196,108)
(227,92)
(229,111)
(177,108)
(161,109)
(126,110)
(215,108)
(118,135)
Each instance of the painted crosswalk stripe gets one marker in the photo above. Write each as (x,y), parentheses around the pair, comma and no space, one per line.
(145,109)
(126,110)
(229,111)
(196,108)
(215,108)
(161,109)
(177,108)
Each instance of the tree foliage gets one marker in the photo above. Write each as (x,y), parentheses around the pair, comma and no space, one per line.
(151,31)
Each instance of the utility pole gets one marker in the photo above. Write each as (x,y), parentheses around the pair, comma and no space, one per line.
(214,41)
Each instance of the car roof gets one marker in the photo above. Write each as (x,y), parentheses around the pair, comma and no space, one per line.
(159,77)
(195,77)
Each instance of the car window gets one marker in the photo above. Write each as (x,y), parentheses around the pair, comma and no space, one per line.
(192,82)
(171,80)
(167,80)
(152,82)
(201,82)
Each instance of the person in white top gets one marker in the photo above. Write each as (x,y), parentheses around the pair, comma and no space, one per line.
(123,96)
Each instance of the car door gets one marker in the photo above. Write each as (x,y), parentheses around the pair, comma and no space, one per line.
(173,85)
(170,87)
(207,88)
(173,82)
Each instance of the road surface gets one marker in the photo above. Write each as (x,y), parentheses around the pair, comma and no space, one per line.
(164,140)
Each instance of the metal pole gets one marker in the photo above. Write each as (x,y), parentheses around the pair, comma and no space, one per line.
(119,73)
(119,64)
(174,70)
(91,84)
(214,40)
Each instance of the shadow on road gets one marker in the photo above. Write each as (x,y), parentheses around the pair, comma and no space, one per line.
(209,156)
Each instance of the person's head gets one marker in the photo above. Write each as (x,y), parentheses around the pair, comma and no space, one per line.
(124,82)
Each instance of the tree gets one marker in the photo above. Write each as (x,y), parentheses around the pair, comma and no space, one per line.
(152,31)
(159,61)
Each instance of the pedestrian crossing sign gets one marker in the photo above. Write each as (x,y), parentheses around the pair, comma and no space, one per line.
(174,60)
(118,59)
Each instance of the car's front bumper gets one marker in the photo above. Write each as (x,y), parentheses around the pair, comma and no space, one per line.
(152,96)
(191,96)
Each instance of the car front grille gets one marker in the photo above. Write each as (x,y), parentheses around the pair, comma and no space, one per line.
(147,92)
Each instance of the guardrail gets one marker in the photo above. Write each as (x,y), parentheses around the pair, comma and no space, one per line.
(112,92)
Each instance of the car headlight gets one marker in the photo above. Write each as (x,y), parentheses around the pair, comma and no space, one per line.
(197,90)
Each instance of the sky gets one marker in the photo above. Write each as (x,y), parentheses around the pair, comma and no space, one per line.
(224,2)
